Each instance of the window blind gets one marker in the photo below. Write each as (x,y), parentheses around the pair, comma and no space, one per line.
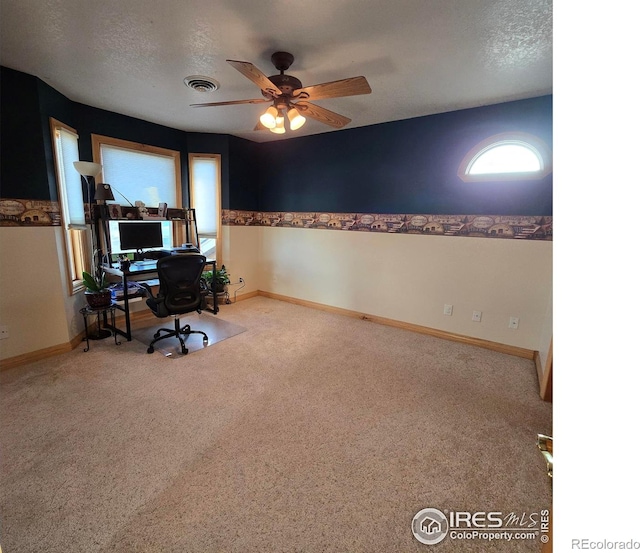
(205,195)
(71,183)
(134,176)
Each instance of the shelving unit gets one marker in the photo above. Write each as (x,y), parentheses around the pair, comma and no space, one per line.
(185,225)
(185,230)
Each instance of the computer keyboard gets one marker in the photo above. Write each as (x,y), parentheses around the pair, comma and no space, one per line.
(147,263)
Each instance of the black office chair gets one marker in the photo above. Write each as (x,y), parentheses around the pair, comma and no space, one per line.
(182,290)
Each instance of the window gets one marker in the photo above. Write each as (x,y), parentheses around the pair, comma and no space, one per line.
(70,187)
(204,170)
(138,172)
(509,156)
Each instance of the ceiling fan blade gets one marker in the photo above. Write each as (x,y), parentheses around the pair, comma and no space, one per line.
(231,103)
(323,115)
(258,77)
(335,89)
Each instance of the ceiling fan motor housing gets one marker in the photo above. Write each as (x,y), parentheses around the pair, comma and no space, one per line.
(286,83)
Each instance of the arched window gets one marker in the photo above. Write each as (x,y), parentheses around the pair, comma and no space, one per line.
(507,156)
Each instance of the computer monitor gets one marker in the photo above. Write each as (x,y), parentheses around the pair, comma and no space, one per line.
(137,236)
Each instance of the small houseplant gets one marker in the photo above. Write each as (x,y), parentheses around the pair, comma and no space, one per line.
(97,293)
(217,280)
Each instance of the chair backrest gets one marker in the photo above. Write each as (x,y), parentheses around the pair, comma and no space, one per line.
(179,277)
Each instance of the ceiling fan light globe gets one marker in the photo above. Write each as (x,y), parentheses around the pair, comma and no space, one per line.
(267,121)
(279,128)
(295,119)
(268,118)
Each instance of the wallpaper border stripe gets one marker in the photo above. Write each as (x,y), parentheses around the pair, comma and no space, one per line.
(484,226)
(17,212)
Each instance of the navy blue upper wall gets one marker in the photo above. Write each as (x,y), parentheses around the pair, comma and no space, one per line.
(23,170)
(53,104)
(27,165)
(245,169)
(407,166)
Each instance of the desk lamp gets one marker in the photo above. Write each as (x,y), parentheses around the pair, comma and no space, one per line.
(103,192)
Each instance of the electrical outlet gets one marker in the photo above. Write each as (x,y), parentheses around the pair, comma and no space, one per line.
(4,332)
(477,316)
(448,309)
(514,322)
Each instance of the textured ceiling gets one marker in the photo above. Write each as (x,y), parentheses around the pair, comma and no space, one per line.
(419,56)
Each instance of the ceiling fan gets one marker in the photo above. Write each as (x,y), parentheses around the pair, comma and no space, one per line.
(289,99)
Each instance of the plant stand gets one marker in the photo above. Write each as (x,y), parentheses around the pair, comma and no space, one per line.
(100,333)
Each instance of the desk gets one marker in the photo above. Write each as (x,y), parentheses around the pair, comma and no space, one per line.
(139,272)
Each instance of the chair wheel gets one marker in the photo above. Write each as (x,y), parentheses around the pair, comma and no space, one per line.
(150,349)
(185,351)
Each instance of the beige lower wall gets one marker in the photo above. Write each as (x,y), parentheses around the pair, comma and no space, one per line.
(34,301)
(239,253)
(407,278)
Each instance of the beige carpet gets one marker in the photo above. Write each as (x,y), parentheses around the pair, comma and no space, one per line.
(309,432)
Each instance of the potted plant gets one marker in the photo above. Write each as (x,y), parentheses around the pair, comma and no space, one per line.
(97,293)
(217,280)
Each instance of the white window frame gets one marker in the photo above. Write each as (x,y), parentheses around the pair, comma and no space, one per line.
(77,239)
(526,140)
(217,198)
